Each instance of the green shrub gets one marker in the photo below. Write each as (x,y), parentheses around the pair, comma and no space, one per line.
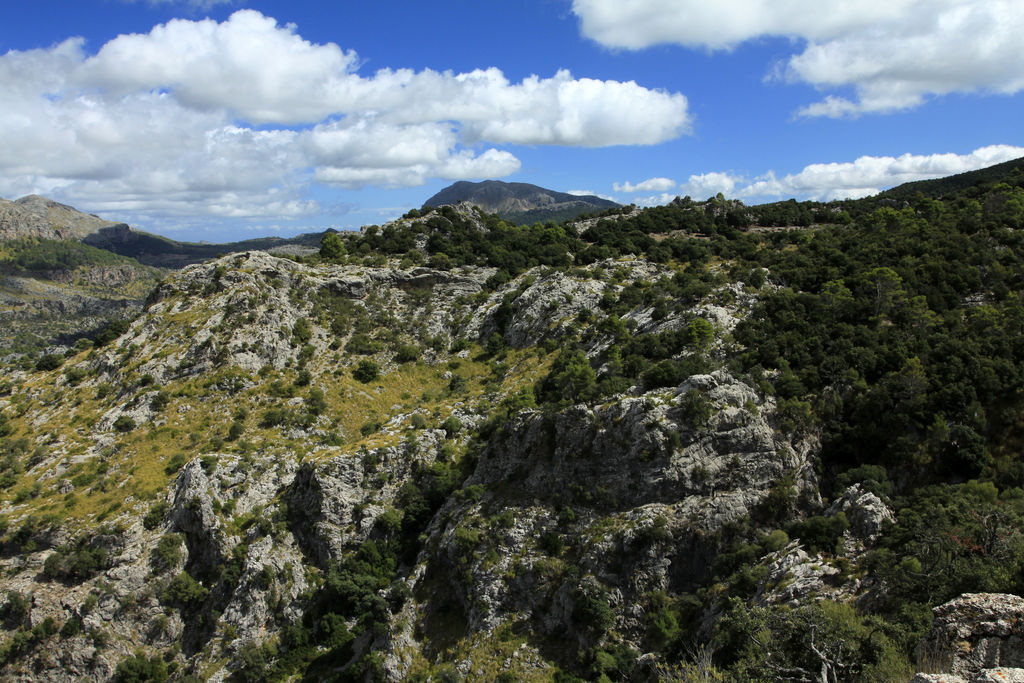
(176,462)
(159,401)
(302,332)
(820,533)
(236,430)
(466,540)
(275,417)
(591,610)
(332,248)
(571,379)
(254,661)
(551,543)
(184,591)
(71,628)
(124,424)
(75,375)
(75,564)
(316,404)
(16,608)
(141,669)
(696,407)
(451,426)
(366,371)
(406,353)
(167,553)
(361,344)
(113,330)
(154,516)
(50,361)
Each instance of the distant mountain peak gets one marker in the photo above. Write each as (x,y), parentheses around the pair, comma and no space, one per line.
(519,202)
(33,216)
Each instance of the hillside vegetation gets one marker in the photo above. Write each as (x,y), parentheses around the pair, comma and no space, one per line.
(58,291)
(702,441)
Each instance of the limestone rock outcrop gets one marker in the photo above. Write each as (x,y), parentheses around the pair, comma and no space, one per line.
(978,637)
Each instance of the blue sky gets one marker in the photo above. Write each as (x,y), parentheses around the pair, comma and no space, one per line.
(228,119)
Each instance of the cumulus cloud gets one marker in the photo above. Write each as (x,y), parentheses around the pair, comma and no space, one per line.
(726,23)
(709,185)
(869,175)
(894,54)
(359,152)
(655,200)
(240,117)
(267,73)
(649,185)
(591,193)
(863,177)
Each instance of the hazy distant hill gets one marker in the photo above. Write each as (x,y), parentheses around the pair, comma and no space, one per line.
(35,217)
(161,251)
(520,202)
(53,286)
(65,273)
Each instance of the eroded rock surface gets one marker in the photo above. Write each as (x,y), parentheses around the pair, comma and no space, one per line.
(977,634)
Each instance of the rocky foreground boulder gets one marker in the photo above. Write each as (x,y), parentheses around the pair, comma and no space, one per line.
(975,637)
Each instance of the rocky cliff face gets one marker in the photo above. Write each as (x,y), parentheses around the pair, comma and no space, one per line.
(230,472)
(660,486)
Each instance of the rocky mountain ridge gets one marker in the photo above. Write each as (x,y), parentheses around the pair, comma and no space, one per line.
(454,449)
(33,216)
(519,202)
(667,471)
(673,471)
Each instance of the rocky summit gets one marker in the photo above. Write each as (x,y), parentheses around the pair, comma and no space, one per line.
(698,442)
(37,217)
(520,202)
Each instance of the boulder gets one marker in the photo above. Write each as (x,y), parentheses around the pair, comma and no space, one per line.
(975,632)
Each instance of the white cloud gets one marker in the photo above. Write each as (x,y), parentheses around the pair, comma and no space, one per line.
(359,152)
(565,111)
(266,73)
(649,185)
(865,176)
(591,193)
(726,23)
(247,65)
(894,54)
(170,117)
(655,200)
(708,185)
